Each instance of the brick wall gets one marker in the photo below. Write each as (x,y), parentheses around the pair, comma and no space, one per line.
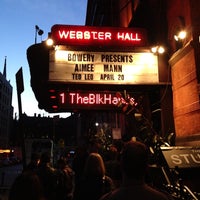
(186,105)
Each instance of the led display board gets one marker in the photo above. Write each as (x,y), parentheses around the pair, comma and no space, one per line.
(96,100)
(102,67)
(97,36)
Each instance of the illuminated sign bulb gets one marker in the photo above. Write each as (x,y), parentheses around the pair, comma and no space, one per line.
(180,36)
(49,42)
(158,49)
(161,50)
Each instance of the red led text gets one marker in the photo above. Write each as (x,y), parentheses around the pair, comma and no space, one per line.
(86,35)
(93,36)
(91,98)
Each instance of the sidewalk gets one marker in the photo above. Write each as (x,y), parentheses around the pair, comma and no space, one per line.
(4,193)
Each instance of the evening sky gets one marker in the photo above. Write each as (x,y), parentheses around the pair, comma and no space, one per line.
(18,19)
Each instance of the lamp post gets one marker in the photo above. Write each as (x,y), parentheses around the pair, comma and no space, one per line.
(38,31)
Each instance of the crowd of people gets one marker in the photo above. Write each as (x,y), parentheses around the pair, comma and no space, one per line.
(118,174)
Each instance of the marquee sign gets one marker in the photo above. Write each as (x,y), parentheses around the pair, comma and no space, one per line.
(83,57)
(102,67)
(97,36)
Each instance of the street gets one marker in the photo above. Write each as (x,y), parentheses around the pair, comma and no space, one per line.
(7,176)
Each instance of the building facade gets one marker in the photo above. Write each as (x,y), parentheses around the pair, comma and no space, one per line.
(179,72)
(185,69)
(132,14)
(6,109)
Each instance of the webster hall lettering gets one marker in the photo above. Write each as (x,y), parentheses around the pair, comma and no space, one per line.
(90,35)
(102,67)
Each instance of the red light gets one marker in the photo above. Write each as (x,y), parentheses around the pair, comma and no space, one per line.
(53,97)
(51,90)
(87,100)
(84,35)
(95,36)
(125,36)
(92,99)
(62,97)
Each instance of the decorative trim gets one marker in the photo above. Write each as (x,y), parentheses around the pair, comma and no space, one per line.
(189,140)
(180,53)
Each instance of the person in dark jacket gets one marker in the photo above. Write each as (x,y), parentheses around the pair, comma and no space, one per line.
(134,162)
(26,186)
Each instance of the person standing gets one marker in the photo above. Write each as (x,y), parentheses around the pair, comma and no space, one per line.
(26,186)
(112,165)
(65,180)
(94,182)
(134,162)
(33,164)
(48,177)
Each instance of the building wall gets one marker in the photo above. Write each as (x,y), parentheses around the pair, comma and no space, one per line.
(185,71)
(125,12)
(163,19)
(6,111)
(102,13)
(150,15)
(186,106)
(178,18)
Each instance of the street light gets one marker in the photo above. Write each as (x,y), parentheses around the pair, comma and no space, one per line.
(38,31)
(180,35)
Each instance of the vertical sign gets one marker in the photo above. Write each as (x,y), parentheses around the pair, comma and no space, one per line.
(20,88)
